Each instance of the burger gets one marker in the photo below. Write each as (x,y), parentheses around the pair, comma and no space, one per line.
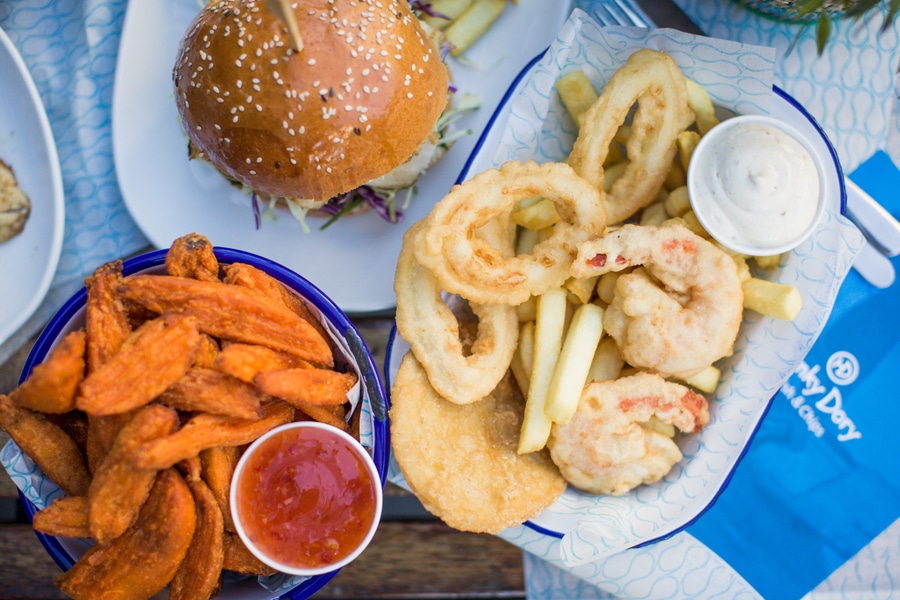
(333,127)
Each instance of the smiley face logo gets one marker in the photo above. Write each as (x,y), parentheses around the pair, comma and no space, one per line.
(842,368)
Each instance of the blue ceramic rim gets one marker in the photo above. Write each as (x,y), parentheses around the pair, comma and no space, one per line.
(369,371)
(464,174)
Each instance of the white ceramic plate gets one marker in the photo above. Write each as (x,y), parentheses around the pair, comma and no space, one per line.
(353,261)
(533,124)
(29,260)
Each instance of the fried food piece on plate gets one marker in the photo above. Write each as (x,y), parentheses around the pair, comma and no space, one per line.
(487,270)
(217,470)
(461,460)
(65,517)
(106,320)
(608,448)
(143,560)
(231,312)
(52,385)
(200,574)
(239,559)
(312,386)
(108,328)
(157,355)
(204,431)
(653,80)
(433,332)
(211,391)
(330,414)
(48,445)
(119,489)
(192,256)
(244,361)
(681,311)
(251,277)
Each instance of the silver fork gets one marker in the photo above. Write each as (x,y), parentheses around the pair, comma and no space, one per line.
(880,229)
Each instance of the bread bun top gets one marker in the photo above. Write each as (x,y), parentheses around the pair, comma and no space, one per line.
(360,97)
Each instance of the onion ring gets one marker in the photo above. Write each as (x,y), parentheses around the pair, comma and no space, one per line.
(432,330)
(653,80)
(465,263)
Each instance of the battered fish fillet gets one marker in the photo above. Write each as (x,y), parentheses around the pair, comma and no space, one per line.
(15,207)
(461,460)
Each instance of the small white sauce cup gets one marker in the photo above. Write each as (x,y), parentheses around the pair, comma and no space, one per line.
(373,474)
(702,203)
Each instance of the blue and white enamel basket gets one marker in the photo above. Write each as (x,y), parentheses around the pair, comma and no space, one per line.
(532,124)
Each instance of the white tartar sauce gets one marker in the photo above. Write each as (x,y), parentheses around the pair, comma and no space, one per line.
(755,186)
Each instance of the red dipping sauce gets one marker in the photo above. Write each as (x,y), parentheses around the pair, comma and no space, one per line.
(306,498)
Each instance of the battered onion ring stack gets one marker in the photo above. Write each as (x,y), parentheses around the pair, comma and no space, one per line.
(654,81)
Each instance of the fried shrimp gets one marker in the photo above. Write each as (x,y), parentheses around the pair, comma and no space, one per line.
(606,449)
(653,80)
(680,312)
(483,272)
(431,328)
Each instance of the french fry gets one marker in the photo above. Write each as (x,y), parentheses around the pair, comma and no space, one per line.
(65,517)
(52,385)
(192,256)
(577,94)
(613,173)
(676,177)
(525,346)
(702,107)
(606,286)
(678,202)
(231,312)
(607,361)
(204,431)
(654,214)
(199,574)
(244,361)
(659,426)
(248,276)
(239,559)
(207,352)
(548,334)
(776,300)
(521,376)
(51,448)
(527,311)
(582,288)
(214,392)
(768,262)
(118,489)
(445,12)
(311,386)
(470,26)
(687,141)
(571,371)
(158,355)
(106,320)
(217,470)
(142,561)
(705,381)
(690,220)
(536,216)
(329,414)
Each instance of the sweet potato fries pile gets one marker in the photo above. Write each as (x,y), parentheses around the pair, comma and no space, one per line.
(141,415)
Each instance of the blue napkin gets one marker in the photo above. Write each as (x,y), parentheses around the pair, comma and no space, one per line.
(820,479)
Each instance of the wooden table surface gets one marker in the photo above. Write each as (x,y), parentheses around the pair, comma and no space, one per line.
(412,556)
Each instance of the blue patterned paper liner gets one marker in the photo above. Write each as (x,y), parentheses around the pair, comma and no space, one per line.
(350,351)
(579,529)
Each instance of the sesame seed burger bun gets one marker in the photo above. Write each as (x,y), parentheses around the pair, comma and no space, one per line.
(358,100)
